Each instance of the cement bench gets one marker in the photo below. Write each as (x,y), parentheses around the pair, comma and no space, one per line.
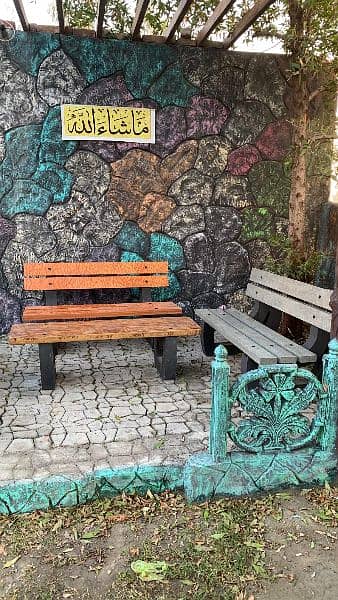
(256,334)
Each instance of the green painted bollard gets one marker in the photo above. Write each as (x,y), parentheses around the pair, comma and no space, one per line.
(330,384)
(220,372)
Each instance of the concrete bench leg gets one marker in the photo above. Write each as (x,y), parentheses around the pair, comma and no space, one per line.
(47,366)
(165,355)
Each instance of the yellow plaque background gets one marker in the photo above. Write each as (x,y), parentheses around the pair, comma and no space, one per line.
(119,123)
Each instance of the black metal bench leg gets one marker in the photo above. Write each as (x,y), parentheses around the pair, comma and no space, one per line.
(165,355)
(47,366)
(208,339)
(247,364)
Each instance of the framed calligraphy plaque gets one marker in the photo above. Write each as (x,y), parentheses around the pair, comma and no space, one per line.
(115,123)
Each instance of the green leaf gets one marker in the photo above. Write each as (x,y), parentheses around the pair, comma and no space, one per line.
(88,535)
(150,571)
(218,536)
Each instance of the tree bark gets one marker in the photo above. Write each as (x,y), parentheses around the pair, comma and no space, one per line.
(301,99)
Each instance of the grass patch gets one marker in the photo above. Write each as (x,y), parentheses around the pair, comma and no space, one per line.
(211,551)
(326,502)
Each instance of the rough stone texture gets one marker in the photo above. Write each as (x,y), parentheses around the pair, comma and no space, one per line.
(184,221)
(106,224)
(91,174)
(111,91)
(74,215)
(232,191)
(20,104)
(2,145)
(175,164)
(246,121)
(53,147)
(132,239)
(59,81)
(7,232)
(154,210)
(275,141)
(28,50)
(265,83)
(171,129)
(199,253)
(242,159)
(10,312)
(233,267)
(212,156)
(205,116)
(192,188)
(35,233)
(270,186)
(163,247)
(108,151)
(13,260)
(196,283)
(222,224)
(213,175)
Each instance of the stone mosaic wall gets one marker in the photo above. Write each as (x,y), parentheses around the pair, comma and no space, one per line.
(210,196)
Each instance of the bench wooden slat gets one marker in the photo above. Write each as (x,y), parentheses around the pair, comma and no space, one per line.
(238,338)
(302,354)
(305,312)
(70,312)
(51,332)
(297,289)
(94,268)
(94,282)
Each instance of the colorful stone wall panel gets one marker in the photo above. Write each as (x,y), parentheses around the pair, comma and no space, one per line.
(206,197)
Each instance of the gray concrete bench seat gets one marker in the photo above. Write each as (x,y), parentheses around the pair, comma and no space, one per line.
(256,335)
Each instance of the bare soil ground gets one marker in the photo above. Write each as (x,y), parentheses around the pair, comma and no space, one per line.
(277,547)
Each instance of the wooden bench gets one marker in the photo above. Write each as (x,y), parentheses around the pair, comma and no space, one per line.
(50,324)
(164,330)
(256,334)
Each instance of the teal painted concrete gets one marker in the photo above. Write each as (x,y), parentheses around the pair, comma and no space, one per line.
(60,491)
(278,445)
(241,474)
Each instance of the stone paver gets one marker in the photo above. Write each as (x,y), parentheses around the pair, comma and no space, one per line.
(109,409)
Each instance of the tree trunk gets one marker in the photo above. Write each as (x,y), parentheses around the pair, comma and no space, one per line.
(298,191)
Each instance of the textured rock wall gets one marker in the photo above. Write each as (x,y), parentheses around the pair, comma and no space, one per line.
(210,196)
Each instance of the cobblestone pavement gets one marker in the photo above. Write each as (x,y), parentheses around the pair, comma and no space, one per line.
(109,409)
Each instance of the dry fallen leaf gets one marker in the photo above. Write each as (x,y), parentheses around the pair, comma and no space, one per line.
(10,563)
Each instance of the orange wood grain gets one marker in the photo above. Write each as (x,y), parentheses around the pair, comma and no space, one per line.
(94,282)
(45,333)
(94,268)
(71,312)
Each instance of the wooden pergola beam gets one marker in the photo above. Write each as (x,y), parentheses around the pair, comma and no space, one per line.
(61,17)
(247,20)
(21,14)
(100,16)
(141,10)
(177,19)
(221,9)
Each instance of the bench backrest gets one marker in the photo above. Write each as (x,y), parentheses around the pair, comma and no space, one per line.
(301,300)
(94,275)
